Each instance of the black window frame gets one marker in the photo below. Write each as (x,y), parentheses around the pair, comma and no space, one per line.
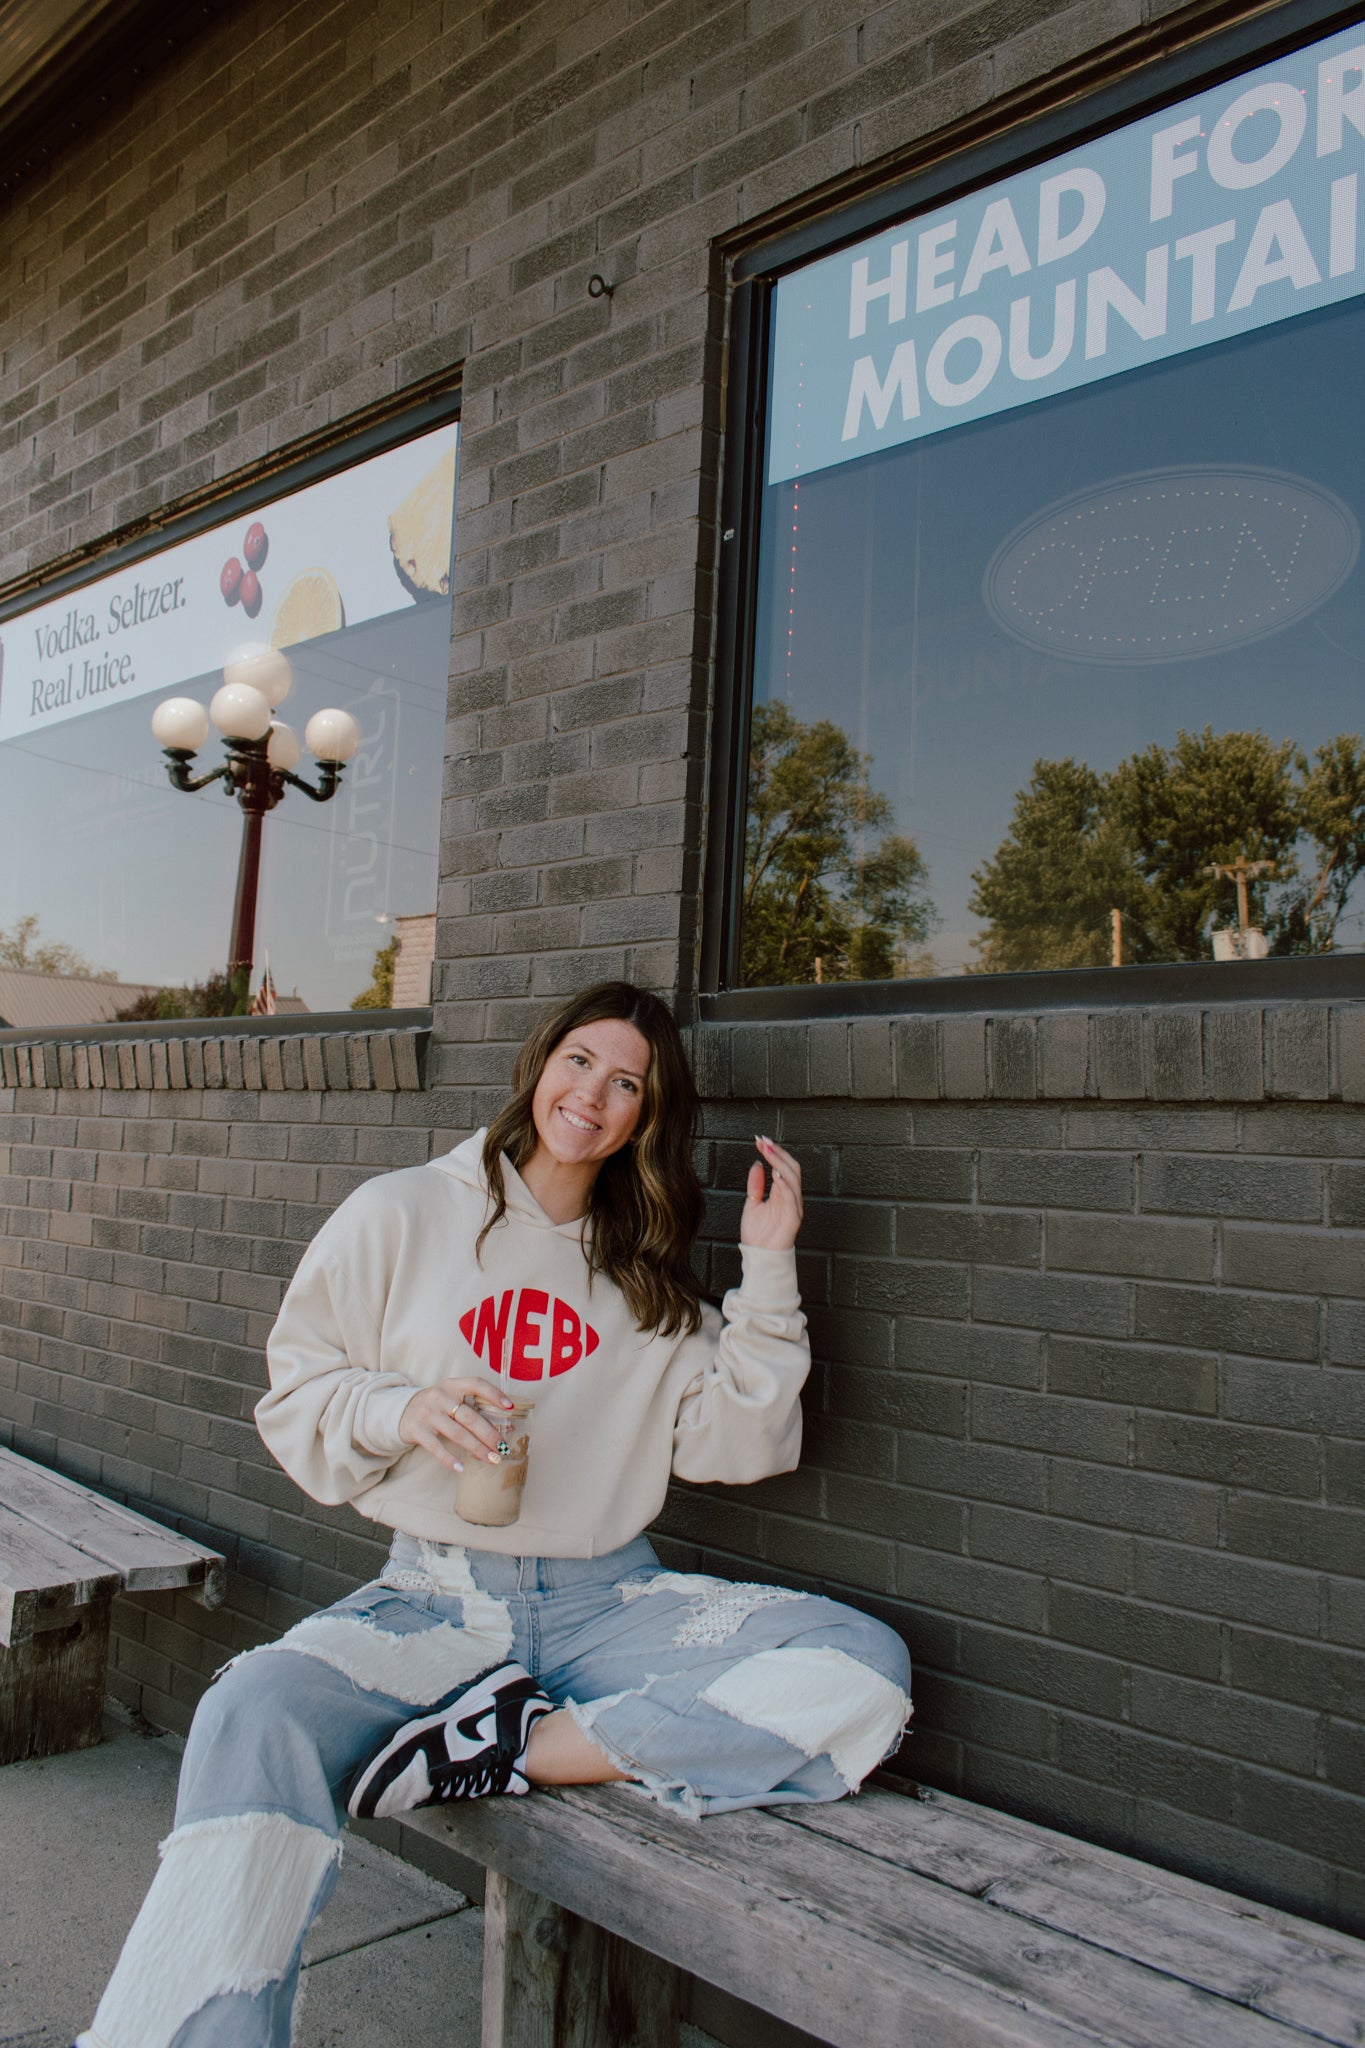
(388,424)
(1143,86)
(337,447)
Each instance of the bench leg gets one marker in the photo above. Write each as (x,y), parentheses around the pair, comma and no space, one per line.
(52,1687)
(551,1980)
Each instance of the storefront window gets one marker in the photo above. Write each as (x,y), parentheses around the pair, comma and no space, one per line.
(1060,647)
(107,872)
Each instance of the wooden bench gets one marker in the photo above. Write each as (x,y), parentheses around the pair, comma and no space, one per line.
(64,1553)
(899,1919)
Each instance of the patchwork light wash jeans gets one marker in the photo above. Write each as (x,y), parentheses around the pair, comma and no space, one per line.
(708,1694)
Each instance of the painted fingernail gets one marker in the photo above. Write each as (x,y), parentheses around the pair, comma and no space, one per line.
(455,1466)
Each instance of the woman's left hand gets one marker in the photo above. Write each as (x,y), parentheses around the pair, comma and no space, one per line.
(772,1221)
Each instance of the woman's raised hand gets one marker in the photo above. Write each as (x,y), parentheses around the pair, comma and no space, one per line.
(442,1420)
(772,1220)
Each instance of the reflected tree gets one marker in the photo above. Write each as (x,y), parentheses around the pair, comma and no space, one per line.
(1332,809)
(379,993)
(1048,895)
(1211,798)
(20,946)
(829,893)
(212,998)
(1144,838)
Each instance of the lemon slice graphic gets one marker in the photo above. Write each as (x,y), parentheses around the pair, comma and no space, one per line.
(311,605)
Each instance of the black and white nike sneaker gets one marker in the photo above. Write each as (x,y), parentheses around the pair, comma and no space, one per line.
(473,1746)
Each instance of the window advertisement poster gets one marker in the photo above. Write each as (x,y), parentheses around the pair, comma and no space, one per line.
(1237,208)
(1059,654)
(106,869)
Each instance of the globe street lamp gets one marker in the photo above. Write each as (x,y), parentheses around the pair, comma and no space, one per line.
(262,755)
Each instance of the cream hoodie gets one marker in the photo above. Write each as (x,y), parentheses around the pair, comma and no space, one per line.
(389,1297)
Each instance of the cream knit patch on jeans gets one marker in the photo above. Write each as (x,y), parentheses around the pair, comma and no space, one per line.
(821,1700)
(416,1667)
(718,1608)
(226,1913)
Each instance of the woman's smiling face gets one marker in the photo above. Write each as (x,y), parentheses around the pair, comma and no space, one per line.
(589,1097)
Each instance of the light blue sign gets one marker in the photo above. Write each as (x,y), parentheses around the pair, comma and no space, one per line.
(1223,214)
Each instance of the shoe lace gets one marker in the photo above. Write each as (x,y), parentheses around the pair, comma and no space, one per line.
(472,1777)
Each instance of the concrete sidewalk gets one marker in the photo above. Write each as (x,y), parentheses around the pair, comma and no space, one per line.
(393,1962)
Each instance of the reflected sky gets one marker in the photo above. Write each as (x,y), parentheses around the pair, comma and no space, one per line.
(873,606)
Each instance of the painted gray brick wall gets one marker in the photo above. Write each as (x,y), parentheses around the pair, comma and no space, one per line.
(312,209)
(1085,1292)
(1085,1423)
(145,1242)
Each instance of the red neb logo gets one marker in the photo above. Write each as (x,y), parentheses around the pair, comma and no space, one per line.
(539,1340)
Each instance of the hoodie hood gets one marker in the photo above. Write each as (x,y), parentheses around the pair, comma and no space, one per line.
(465,1163)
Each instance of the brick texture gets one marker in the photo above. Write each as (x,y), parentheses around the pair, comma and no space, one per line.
(1085,1421)
(1085,1291)
(145,1241)
(300,216)
(1086,1424)
(384,1060)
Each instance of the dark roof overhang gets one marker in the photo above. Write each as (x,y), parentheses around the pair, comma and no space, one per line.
(65,63)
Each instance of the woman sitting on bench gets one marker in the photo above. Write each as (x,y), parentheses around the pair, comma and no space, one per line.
(547,1258)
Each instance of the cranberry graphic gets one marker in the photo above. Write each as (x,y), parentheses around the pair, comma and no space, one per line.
(230,581)
(251,593)
(255,547)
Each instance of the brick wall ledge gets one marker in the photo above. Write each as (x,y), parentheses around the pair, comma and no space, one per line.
(1300,1052)
(384,1060)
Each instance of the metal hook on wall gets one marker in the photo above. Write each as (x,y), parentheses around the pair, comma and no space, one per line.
(598,288)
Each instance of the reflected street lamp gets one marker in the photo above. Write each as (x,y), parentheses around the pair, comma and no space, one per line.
(262,755)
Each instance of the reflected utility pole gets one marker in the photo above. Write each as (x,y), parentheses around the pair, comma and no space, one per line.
(1239,871)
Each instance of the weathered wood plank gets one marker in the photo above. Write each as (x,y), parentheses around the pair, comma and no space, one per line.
(1252,1955)
(552,1980)
(146,1556)
(1317,1992)
(871,1821)
(582,1850)
(52,1687)
(40,1575)
(822,1935)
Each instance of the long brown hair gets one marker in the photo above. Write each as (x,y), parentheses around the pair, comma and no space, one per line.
(646,1204)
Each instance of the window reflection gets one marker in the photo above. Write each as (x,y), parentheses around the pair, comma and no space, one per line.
(135,880)
(830,894)
(1072,753)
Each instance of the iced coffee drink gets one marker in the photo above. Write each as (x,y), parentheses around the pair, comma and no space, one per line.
(491,1494)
